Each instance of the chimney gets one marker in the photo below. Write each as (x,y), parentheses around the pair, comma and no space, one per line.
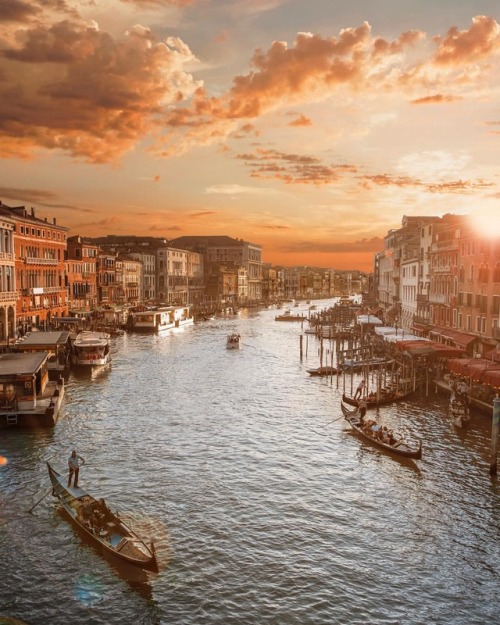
(32,211)
(54,220)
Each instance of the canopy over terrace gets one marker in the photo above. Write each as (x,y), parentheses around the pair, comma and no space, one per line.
(371,320)
(477,369)
(424,347)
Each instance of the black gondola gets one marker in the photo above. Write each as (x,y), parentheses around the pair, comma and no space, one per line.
(384,399)
(323,371)
(399,446)
(110,533)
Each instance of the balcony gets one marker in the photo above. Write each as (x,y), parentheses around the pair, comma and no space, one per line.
(438,298)
(8,296)
(6,256)
(442,269)
(422,298)
(444,246)
(32,260)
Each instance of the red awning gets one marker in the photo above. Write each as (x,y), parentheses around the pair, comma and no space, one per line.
(460,338)
(478,369)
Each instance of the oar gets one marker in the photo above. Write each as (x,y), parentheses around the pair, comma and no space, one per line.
(329,422)
(41,499)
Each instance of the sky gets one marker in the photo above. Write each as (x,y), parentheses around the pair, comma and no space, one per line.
(307,127)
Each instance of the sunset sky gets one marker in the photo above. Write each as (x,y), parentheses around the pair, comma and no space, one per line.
(307,127)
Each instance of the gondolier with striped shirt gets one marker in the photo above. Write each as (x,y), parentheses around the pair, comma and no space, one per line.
(74,467)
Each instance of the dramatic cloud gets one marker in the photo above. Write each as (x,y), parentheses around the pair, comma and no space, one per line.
(468,46)
(73,88)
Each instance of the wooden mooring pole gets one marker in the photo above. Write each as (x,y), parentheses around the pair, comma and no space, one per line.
(494,435)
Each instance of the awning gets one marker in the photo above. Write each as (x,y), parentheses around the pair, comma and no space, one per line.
(478,369)
(460,338)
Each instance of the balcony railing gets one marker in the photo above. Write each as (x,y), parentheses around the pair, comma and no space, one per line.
(6,256)
(441,269)
(422,298)
(438,298)
(33,260)
(9,296)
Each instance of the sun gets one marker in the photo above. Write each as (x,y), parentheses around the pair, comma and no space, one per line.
(487,223)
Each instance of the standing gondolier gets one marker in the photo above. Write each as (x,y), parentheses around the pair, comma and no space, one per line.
(74,467)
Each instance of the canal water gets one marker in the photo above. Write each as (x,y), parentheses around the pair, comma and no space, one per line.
(264,506)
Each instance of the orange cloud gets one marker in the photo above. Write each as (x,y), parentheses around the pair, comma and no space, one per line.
(468,46)
(70,87)
(436,99)
(301,120)
(293,168)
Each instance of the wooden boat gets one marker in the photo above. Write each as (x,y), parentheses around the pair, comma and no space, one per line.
(399,447)
(459,412)
(322,371)
(233,341)
(111,535)
(385,399)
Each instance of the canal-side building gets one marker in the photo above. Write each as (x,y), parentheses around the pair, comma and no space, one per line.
(226,250)
(40,266)
(128,273)
(106,278)
(447,287)
(82,274)
(8,291)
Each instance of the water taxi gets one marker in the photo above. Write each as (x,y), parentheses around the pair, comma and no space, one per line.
(91,349)
(161,319)
(233,341)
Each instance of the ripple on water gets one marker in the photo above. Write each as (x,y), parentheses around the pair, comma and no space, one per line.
(264,506)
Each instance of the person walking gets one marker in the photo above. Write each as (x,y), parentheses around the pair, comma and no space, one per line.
(359,390)
(74,467)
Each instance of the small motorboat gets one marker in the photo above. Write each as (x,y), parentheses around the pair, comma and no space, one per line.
(233,341)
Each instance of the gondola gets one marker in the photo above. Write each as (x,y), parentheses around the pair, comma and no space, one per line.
(459,412)
(400,447)
(111,535)
(322,371)
(384,399)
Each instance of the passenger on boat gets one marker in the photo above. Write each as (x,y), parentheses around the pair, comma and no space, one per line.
(86,513)
(384,435)
(103,511)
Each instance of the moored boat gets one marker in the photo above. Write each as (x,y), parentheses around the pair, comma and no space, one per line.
(370,433)
(459,412)
(384,399)
(104,528)
(159,320)
(233,341)
(322,371)
(91,349)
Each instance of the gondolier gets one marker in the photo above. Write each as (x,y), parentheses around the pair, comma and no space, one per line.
(74,467)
